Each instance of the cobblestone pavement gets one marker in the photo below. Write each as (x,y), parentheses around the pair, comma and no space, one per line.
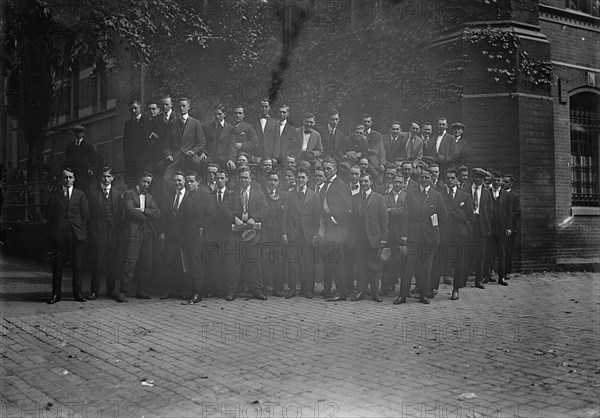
(528,350)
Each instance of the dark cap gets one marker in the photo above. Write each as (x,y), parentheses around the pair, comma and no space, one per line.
(79,128)
(457,125)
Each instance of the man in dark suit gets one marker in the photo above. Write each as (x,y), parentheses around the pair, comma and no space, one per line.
(482,227)
(459,225)
(185,144)
(369,222)
(377,151)
(285,133)
(272,264)
(136,143)
(221,251)
(413,145)
(252,211)
(266,131)
(407,170)
(463,147)
(244,135)
(81,157)
(104,229)
(335,207)
(426,131)
(139,212)
(443,148)
(220,143)
(394,203)
(424,209)
(307,145)
(196,213)
(67,214)
(508,182)
(332,137)
(300,223)
(394,143)
(502,223)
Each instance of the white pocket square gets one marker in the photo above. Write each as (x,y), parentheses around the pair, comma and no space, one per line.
(462,203)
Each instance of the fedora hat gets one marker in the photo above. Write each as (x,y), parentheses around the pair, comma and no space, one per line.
(250,236)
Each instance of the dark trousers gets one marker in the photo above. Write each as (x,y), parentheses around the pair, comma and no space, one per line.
(301,260)
(222,260)
(181,162)
(476,250)
(66,247)
(105,252)
(195,267)
(249,272)
(420,260)
(510,247)
(273,268)
(366,261)
(350,266)
(455,253)
(332,254)
(495,250)
(137,260)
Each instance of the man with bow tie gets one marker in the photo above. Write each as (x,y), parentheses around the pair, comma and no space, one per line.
(244,135)
(185,144)
(104,229)
(424,210)
(453,247)
(67,214)
(300,223)
(81,157)
(266,130)
(140,211)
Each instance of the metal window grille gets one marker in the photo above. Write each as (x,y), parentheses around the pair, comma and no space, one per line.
(585,135)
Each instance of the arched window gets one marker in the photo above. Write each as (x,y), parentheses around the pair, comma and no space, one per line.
(585,135)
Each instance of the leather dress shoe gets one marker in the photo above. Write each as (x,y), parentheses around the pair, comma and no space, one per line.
(502,282)
(454,294)
(291,294)
(336,298)
(326,293)
(120,297)
(424,300)
(376,297)
(358,296)
(167,295)
(54,299)
(259,296)
(308,294)
(93,296)
(142,295)
(79,298)
(277,293)
(479,285)
(399,300)
(230,297)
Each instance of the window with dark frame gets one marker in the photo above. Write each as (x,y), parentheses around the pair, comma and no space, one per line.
(585,135)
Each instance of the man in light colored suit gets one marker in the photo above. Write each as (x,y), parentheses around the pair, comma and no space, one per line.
(300,223)
(443,147)
(308,145)
(413,145)
(185,144)
(369,222)
(139,212)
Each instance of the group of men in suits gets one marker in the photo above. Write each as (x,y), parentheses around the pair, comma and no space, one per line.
(337,202)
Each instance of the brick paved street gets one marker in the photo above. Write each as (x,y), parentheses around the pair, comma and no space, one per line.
(529,350)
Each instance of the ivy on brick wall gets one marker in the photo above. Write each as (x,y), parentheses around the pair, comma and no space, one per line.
(507,60)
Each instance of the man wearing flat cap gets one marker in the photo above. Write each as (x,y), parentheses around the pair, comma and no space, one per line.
(83,159)
(482,227)
(458,129)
